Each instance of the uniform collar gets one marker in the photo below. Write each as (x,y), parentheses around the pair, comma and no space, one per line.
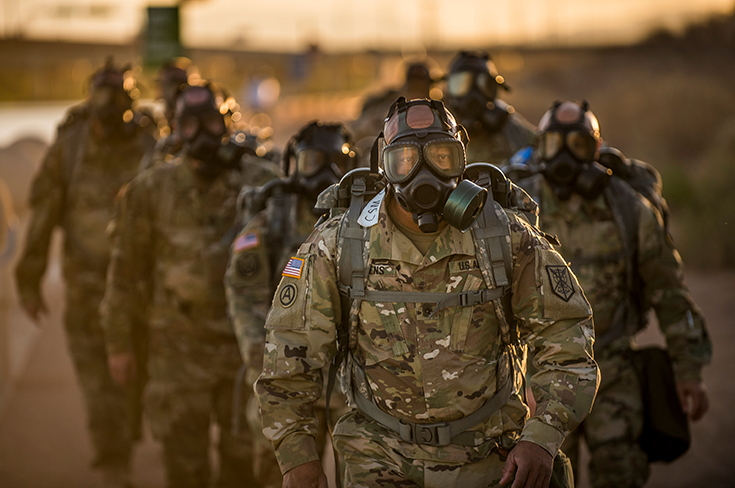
(387,242)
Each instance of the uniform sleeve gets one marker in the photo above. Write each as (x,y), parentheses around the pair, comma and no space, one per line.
(249,289)
(661,273)
(301,340)
(555,318)
(47,194)
(129,275)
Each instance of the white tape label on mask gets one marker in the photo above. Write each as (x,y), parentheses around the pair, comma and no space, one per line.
(369,215)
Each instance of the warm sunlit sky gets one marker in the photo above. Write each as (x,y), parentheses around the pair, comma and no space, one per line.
(278,25)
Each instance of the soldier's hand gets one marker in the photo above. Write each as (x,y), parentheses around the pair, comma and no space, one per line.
(35,307)
(122,367)
(531,464)
(693,398)
(307,475)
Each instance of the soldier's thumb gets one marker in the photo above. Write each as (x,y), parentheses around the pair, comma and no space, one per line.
(509,469)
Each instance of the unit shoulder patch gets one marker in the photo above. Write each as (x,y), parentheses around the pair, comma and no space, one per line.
(561,281)
(287,295)
(248,265)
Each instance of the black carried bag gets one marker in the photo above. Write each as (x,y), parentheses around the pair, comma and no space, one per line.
(665,434)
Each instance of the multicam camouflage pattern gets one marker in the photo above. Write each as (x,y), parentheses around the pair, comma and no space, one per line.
(250,282)
(424,369)
(255,270)
(497,147)
(74,190)
(591,241)
(173,233)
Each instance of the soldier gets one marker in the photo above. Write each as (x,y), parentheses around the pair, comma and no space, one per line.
(417,84)
(316,157)
(496,130)
(619,248)
(432,322)
(97,150)
(173,231)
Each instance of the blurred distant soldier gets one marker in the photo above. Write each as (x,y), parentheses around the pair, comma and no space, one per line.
(368,125)
(173,231)
(496,131)
(316,157)
(609,214)
(172,79)
(97,150)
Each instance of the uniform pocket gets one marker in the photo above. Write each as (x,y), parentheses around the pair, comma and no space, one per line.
(380,336)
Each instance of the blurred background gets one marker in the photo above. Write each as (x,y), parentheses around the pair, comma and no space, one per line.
(659,74)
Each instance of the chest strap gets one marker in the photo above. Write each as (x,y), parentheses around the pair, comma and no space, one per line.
(442,300)
(436,434)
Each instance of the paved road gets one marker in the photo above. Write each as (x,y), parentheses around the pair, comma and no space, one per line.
(43,443)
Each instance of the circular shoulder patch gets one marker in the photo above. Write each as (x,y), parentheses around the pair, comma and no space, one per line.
(248,265)
(287,295)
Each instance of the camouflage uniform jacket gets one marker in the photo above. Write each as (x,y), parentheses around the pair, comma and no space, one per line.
(258,257)
(497,147)
(172,235)
(75,189)
(591,240)
(424,369)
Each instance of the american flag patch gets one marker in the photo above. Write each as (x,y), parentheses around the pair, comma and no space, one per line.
(246,241)
(294,268)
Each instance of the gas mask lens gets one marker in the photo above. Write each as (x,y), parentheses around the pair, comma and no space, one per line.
(212,123)
(460,83)
(399,160)
(309,161)
(580,144)
(106,96)
(446,157)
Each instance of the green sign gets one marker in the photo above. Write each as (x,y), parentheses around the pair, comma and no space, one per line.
(162,36)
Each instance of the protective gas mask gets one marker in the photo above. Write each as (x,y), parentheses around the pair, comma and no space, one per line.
(471,96)
(424,163)
(108,105)
(317,157)
(202,129)
(318,170)
(568,163)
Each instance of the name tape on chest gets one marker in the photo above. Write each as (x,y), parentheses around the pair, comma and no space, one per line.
(369,215)
(294,268)
(246,241)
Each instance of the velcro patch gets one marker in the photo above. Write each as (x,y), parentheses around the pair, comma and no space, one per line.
(561,281)
(287,295)
(294,268)
(247,241)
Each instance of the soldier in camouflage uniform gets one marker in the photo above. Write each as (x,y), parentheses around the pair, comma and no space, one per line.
(496,130)
(97,150)
(421,358)
(173,230)
(579,202)
(316,157)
